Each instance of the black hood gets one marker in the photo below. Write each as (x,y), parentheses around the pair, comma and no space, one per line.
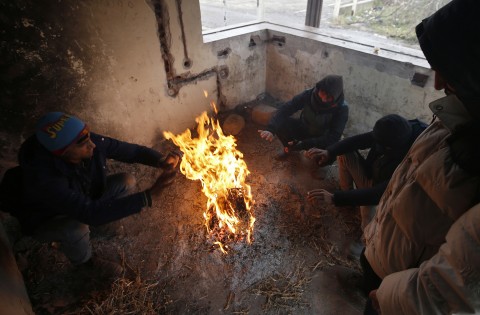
(332,85)
(392,132)
(450,40)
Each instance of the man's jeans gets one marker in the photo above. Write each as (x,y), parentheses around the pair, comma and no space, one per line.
(350,171)
(74,236)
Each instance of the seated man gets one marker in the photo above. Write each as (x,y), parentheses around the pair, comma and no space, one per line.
(388,143)
(322,121)
(63,185)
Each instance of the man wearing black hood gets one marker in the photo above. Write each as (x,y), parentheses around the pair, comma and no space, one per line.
(387,144)
(322,121)
(423,244)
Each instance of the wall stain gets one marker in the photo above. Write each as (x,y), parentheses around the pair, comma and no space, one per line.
(174,81)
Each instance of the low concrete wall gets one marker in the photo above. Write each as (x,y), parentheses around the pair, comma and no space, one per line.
(373,84)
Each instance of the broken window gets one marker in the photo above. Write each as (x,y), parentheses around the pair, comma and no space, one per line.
(382,22)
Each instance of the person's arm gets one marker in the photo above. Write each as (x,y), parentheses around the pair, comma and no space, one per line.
(128,152)
(447,283)
(333,135)
(360,197)
(358,142)
(288,109)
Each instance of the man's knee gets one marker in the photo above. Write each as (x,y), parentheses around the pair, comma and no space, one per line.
(74,231)
(129,181)
(119,185)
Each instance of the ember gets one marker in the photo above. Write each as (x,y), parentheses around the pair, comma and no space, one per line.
(213,159)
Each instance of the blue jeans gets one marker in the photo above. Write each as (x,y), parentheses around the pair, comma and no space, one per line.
(74,236)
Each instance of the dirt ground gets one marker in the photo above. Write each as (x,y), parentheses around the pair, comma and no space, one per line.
(297,263)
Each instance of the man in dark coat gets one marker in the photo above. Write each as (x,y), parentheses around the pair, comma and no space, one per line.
(388,142)
(64,187)
(322,120)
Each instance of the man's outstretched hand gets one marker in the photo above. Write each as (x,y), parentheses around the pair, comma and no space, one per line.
(320,195)
(163,181)
(321,157)
(267,135)
(172,159)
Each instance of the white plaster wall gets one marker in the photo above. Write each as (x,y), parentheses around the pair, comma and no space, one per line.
(126,79)
(374,86)
(128,87)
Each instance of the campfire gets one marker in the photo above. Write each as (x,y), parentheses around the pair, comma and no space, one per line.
(213,158)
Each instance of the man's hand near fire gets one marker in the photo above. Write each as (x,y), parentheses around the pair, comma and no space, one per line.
(267,135)
(320,196)
(321,157)
(168,165)
(172,159)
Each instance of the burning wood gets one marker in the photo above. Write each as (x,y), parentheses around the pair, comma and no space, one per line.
(213,159)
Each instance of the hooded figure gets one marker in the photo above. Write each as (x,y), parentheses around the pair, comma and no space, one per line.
(422,245)
(322,121)
(387,145)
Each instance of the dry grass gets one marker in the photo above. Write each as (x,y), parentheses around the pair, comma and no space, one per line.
(126,297)
(284,291)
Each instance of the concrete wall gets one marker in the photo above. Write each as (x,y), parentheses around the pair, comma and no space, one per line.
(133,69)
(130,69)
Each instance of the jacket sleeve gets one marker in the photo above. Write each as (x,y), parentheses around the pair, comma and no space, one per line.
(288,109)
(447,283)
(334,133)
(350,144)
(128,152)
(56,194)
(360,197)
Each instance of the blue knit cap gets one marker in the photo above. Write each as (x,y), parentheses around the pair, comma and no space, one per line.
(57,130)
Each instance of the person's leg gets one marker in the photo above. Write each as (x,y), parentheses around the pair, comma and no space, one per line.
(351,170)
(73,237)
(370,282)
(291,129)
(370,279)
(366,214)
(119,185)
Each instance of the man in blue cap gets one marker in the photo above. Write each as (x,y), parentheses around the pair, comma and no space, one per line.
(65,188)
(422,247)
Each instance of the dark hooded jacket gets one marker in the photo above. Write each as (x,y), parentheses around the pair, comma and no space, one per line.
(390,140)
(53,187)
(325,122)
(453,49)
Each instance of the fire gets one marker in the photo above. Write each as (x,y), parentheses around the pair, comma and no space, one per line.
(213,159)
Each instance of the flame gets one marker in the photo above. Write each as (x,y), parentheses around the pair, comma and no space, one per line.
(213,159)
